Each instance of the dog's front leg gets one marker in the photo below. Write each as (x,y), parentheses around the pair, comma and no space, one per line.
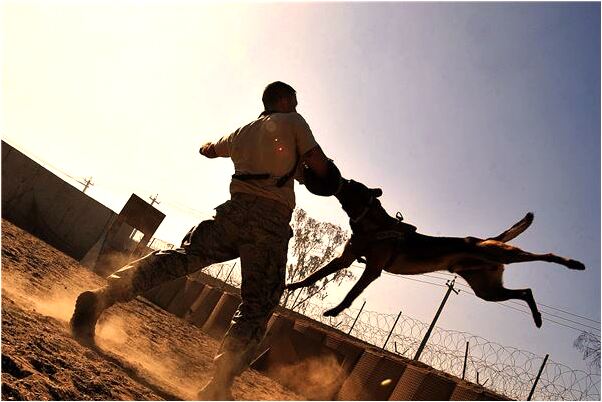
(343,261)
(369,275)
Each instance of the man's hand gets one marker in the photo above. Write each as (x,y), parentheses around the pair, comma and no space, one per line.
(208,150)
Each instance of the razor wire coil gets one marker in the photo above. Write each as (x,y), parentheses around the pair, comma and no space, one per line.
(506,370)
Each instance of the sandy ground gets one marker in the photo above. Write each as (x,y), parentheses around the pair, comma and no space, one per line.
(144,352)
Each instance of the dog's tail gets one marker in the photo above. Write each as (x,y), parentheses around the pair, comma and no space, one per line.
(515,230)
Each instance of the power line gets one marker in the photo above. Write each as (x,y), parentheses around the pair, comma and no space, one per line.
(547,314)
(529,312)
(557,316)
(44,162)
(544,313)
(427,282)
(539,304)
(187,209)
(566,312)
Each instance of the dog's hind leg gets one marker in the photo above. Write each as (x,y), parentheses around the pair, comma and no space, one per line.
(487,284)
(341,262)
(498,252)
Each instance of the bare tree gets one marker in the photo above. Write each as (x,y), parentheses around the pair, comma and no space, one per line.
(314,244)
(589,344)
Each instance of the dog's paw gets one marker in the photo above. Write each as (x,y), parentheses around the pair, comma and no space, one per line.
(574,264)
(333,312)
(537,318)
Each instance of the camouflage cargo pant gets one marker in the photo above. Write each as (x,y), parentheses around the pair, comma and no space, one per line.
(253,228)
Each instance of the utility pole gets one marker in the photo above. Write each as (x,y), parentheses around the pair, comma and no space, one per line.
(450,287)
(154,200)
(87,184)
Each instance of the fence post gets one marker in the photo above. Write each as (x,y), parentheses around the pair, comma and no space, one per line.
(450,287)
(296,298)
(465,356)
(220,271)
(545,360)
(392,328)
(228,277)
(356,317)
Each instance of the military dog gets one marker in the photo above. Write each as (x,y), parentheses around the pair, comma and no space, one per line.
(389,244)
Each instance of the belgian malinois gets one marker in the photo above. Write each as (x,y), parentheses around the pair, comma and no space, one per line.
(389,244)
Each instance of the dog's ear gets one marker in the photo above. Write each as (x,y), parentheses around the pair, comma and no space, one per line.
(377,192)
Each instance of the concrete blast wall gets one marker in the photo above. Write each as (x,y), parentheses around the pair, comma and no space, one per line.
(321,363)
(43,204)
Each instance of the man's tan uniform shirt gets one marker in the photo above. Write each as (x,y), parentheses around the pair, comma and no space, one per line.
(271,144)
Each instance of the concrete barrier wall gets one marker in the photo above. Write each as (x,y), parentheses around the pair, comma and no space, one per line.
(278,326)
(300,362)
(349,353)
(40,202)
(409,383)
(203,306)
(324,364)
(374,377)
(309,331)
(186,296)
(465,392)
(219,321)
(420,384)
(162,295)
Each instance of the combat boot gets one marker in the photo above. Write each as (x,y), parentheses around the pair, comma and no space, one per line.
(88,308)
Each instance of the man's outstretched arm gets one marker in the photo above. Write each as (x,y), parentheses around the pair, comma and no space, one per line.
(219,148)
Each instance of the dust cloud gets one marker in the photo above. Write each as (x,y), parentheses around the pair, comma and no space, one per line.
(116,334)
(316,377)
(56,302)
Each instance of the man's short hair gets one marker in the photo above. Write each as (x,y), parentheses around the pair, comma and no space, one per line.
(274,92)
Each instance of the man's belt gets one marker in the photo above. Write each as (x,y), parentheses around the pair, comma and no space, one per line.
(262,176)
(251,176)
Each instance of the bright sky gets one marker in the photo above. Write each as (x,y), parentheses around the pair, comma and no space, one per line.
(466,115)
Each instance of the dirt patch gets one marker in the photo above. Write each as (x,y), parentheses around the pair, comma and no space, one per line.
(144,353)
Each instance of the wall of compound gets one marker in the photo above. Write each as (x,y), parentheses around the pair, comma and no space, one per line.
(42,203)
(317,362)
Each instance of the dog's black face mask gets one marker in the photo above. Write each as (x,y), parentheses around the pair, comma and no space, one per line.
(356,198)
